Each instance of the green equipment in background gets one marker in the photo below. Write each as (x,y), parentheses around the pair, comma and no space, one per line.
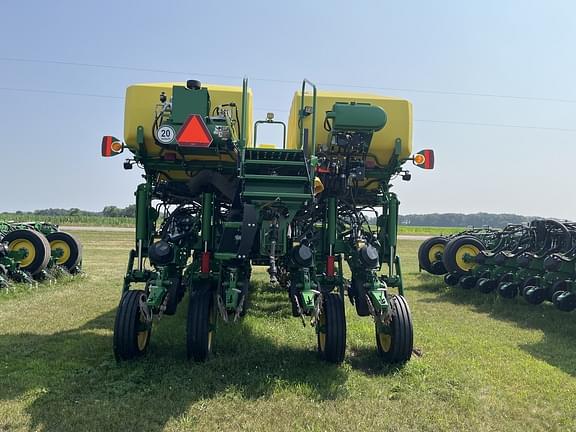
(34,251)
(536,261)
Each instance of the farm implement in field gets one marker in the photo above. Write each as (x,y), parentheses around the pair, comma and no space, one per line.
(226,204)
(536,261)
(35,251)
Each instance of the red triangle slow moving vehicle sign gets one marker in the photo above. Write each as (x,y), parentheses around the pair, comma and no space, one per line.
(194,133)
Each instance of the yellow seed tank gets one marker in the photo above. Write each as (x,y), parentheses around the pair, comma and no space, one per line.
(142,99)
(399,124)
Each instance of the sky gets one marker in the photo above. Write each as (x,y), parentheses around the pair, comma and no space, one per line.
(491,82)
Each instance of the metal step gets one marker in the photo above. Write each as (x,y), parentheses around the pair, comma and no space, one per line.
(232,224)
(273,162)
(271,178)
(274,154)
(283,196)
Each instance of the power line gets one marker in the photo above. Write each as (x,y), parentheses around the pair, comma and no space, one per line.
(499,125)
(263,79)
(138,69)
(57,92)
(65,93)
(472,94)
(449,122)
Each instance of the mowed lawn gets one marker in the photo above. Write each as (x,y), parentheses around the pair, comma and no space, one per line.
(484,364)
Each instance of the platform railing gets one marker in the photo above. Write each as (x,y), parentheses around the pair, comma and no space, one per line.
(304,113)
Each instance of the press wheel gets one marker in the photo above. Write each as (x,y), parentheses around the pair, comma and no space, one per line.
(201,322)
(331,329)
(132,330)
(395,340)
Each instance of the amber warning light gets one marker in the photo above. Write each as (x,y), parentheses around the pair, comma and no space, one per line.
(424,159)
(111,146)
(194,133)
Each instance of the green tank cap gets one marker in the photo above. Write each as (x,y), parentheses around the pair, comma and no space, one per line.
(356,117)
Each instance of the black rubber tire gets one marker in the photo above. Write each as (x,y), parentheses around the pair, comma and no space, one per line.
(401,332)
(360,301)
(566,301)
(331,329)
(424,259)
(200,323)
(451,279)
(468,282)
(534,295)
(129,327)
(508,290)
(452,248)
(555,296)
(75,258)
(293,305)
(558,286)
(486,286)
(531,281)
(38,242)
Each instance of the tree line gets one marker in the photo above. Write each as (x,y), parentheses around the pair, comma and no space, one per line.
(108,211)
(433,220)
(463,220)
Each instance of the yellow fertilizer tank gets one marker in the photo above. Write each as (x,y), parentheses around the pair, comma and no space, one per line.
(142,100)
(399,123)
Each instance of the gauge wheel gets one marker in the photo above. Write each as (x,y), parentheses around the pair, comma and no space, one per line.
(430,255)
(132,329)
(395,340)
(201,322)
(35,247)
(460,252)
(331,329)
(67,250)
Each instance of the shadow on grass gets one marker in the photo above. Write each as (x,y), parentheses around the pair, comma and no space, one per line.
(368,362)
(277,305)
(73,383)
(558,346)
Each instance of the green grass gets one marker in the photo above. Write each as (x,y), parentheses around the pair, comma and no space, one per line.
(81,220)
(431,231)
(486,364)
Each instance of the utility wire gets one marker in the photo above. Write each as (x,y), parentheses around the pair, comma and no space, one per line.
(65,93)
(499,125)
(263,79)
(137,69)
(449,122)
(57,92)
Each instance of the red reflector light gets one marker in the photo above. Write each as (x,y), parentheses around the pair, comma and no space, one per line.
(107,146)
(111,146)
(194,133)
(205,262)
(330,265)
(429,163)
(424,159)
